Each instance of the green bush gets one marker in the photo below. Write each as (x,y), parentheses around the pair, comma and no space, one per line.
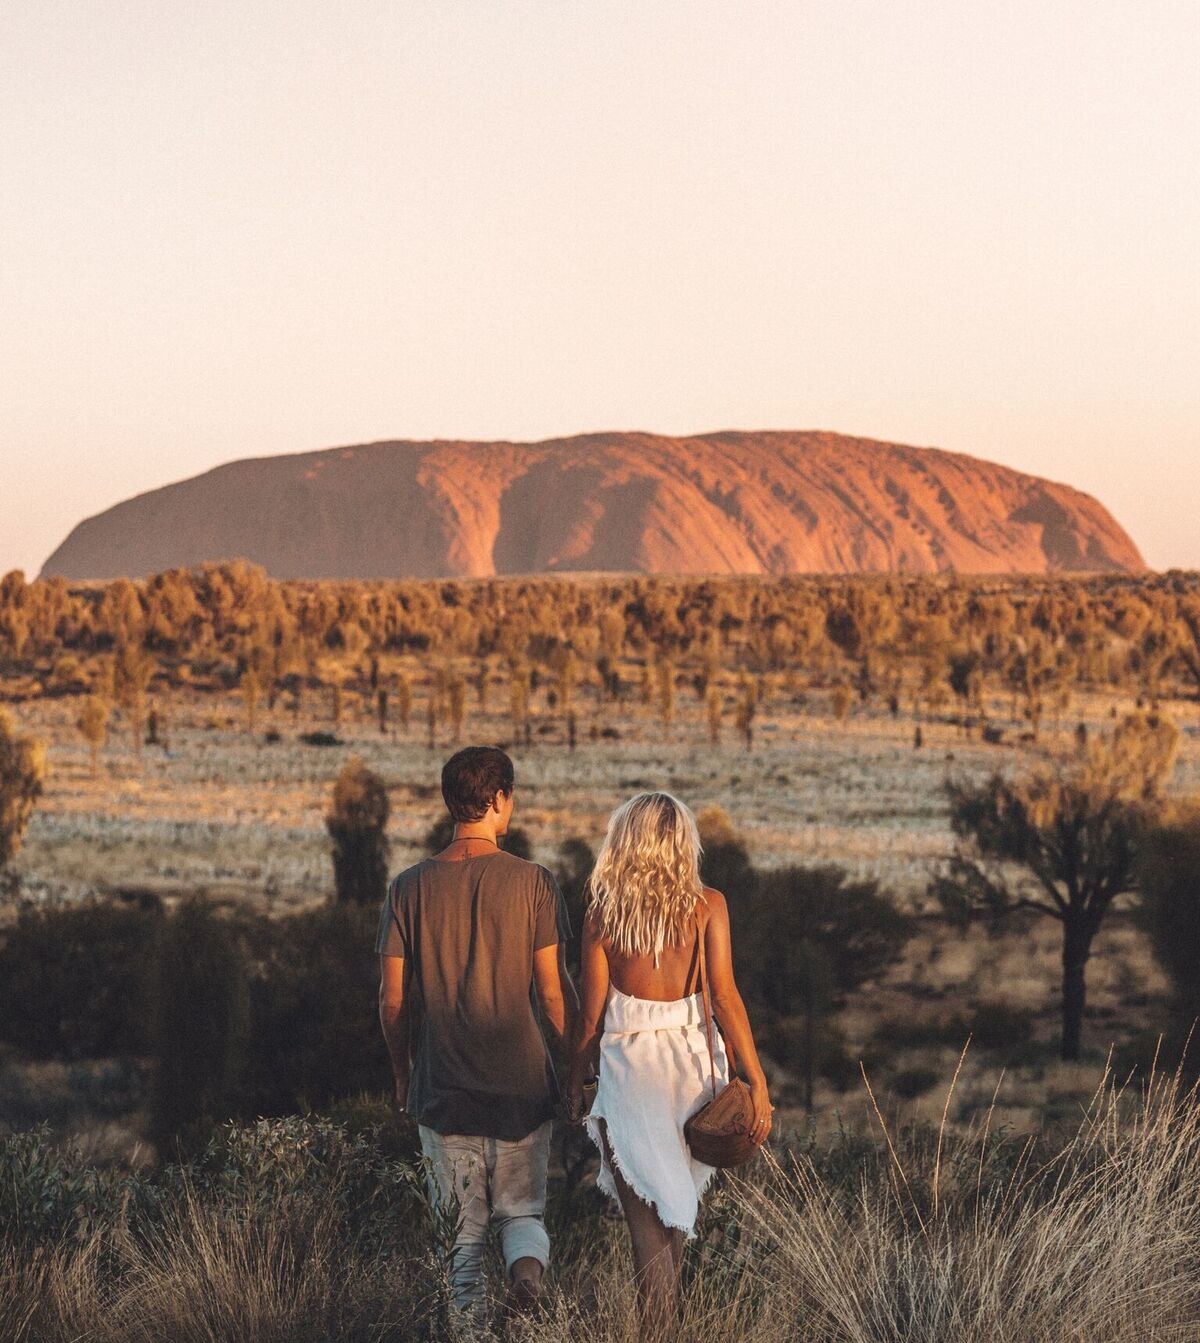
(49,1190)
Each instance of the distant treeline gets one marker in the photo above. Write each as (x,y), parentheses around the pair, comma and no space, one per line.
(876,634)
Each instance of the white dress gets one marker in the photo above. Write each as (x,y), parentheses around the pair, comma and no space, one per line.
(654,1075)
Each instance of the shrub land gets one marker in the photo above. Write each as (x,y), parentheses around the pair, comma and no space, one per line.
(941,809)
(306,1228)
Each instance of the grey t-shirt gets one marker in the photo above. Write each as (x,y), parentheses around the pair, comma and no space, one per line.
(468,931)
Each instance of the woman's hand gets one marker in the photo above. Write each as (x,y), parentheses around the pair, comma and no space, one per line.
(760,1125)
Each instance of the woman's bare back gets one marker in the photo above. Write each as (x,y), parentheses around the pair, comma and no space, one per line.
(677,974)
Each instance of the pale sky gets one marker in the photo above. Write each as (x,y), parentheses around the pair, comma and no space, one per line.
(230,229)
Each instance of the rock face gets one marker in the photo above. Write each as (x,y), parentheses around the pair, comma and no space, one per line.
(770,502)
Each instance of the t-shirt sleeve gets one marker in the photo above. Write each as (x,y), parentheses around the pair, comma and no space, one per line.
(552,924)
(389,941)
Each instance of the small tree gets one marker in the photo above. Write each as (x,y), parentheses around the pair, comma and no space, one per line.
(747,707)
(357,824)
(965,675)
(714,705)
(431,720)
(480,681)
(252,689)
(666,692)
(1071,831)
(568,675)
(649,677)
(804,939)
(518,696)
(456,693)
(93,727)
(22,781)
(403,701)
(131,671)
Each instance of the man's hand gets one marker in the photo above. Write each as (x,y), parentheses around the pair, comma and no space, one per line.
(400,1095)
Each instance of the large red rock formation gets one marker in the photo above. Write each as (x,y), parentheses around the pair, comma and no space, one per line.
(769,502)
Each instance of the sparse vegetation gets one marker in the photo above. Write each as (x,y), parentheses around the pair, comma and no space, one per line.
(22,780)
(979,671)
(357,825)
(303,1229)
(1072,830)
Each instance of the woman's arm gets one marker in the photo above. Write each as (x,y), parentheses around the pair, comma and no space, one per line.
(731,1011)
(589,1023)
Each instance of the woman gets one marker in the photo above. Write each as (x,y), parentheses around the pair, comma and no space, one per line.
(643,1010)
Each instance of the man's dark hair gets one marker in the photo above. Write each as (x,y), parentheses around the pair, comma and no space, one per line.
(472,777)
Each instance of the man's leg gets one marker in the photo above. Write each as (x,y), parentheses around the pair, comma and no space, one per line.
(458,1171)
(518,1186)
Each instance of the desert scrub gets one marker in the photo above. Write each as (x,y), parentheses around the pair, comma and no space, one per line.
(292,1230)
(284,1229)
(933,1237)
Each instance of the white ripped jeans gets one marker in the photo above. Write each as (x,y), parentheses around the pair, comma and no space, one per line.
(490,1175)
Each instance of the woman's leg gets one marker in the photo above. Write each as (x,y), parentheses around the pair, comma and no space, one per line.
(657,1254)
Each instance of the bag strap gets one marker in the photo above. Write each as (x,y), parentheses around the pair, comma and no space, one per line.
(708,1025)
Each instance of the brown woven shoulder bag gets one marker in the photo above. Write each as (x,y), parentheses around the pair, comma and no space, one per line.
(720,1133)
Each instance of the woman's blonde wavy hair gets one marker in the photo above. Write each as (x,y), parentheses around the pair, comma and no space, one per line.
(646,881)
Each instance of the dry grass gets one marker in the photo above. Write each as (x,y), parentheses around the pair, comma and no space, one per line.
(922,1235)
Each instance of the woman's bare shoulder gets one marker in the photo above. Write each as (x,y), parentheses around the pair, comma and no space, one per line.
(714,901)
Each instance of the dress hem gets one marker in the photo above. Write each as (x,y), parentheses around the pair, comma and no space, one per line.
(607,1186)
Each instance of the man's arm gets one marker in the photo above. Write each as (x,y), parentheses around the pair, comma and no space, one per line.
(394,1019)
(555,990)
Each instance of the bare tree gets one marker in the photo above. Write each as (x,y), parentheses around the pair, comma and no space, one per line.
(1061,842)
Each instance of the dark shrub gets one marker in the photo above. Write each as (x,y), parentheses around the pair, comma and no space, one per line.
(357,824)
(803,939)
(1169,879)
(315,1033)
(201,1024)
(912,1082)
(572,869)
(75,982)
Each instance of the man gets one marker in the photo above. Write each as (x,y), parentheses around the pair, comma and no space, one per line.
(466,940)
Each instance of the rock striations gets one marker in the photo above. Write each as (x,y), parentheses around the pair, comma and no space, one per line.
(723,503)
